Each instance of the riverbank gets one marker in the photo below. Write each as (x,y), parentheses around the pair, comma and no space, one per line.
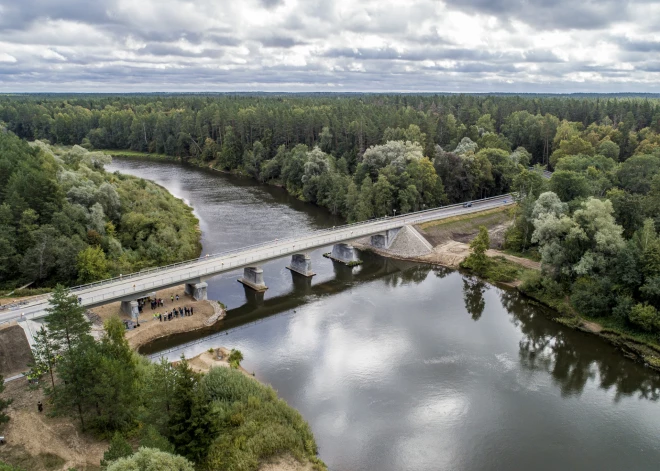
(205,314)
(450,240)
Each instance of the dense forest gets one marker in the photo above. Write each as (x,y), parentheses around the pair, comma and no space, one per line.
(594,223)
(63,218)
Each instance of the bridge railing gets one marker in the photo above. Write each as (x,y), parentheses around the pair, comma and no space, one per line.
(413,217)
(310,241)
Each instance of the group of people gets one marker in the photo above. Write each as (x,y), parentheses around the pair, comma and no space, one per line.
(174,313)
(156,303)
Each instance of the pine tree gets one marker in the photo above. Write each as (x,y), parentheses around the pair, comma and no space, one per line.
(194,423)
(44,353)
(66,320)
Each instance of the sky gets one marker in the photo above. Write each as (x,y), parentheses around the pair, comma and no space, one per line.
(535,46)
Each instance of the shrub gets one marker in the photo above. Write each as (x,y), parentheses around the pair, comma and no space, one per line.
(645,316)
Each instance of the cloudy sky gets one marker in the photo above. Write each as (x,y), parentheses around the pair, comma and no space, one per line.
(330,45)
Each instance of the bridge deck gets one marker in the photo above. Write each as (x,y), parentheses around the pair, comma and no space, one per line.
(140,284)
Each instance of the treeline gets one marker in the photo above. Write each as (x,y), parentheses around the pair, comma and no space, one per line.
(63,218)
(180,419)
(360,156)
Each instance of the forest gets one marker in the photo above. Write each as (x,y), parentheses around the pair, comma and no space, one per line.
(594,224)
(64,219)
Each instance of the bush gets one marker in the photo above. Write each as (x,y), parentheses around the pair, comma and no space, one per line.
(147,459)
(592,297)
(119,448)
(256,425)
(645,316)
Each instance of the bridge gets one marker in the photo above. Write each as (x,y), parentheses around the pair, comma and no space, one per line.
(194,273)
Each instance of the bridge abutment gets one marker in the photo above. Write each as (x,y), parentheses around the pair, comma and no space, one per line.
(197,291)
(301,263)
(344,253)
(253,277)
(384,240)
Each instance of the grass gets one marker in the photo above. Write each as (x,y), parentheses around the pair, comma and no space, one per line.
(532,254)
(255,425)
(134,153)
(470,222)
(19,457)
(21,293)
(501,270)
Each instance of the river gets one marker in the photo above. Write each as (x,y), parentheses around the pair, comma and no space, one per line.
(402,366)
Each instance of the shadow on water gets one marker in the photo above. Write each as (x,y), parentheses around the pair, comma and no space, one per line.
(257,307)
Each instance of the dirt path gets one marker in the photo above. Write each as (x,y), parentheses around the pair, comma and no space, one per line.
(525,262)
(37,442)
(591,326)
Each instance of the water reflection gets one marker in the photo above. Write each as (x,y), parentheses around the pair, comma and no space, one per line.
(473,296)
(573,358)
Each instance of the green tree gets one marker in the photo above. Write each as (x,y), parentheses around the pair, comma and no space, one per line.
(66,320)
(92,265)
(478,260)
(382,196)
(44,354)
(119,448)
(193,424)
(152,439)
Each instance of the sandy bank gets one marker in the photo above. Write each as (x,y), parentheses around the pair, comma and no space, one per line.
(39,442)
(203,362)
(205,314)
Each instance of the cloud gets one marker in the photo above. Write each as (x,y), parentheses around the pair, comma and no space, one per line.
(307,45)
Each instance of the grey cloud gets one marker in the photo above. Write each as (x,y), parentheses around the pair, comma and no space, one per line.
(230,56)
(638,46)
(169,50)
(280,41)
(551,14)
(17,14)
(271,3)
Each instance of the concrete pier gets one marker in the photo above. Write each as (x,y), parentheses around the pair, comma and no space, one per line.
(130,308)
(197,290)
(344,253)
(384,240)
(253,277)
(301,263)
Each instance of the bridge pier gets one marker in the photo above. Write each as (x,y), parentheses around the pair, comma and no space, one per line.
(384,240)
(130,308)
(197,291)
(301,263)
(253,277)
(344,253)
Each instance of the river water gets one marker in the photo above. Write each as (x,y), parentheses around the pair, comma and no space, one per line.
(401,366)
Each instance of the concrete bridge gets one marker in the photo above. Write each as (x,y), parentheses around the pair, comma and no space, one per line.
(194,273)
